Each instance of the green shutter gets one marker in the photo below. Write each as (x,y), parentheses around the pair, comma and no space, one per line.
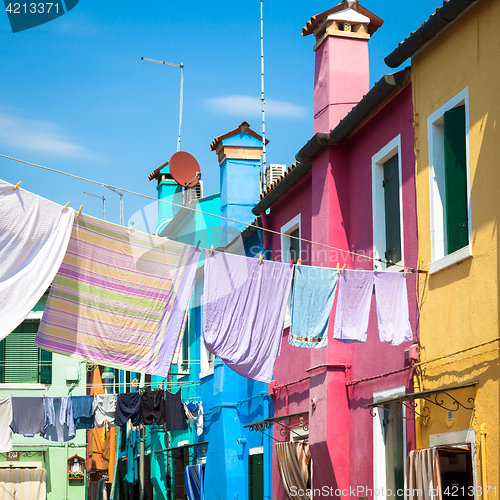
(45,367)
(256,477)
(455,168)
(392,210)
(20,355)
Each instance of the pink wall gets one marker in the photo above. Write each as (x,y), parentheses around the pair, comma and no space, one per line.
(335,202)
(341,78)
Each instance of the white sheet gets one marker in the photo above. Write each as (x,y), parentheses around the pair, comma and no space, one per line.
(34,236)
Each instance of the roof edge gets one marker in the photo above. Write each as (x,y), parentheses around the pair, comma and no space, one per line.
(377,96)
(427,31)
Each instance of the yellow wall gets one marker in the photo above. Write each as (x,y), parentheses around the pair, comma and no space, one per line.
(460,305)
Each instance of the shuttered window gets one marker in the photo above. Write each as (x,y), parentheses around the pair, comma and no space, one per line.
(455,171)
(295,245)
(392,210)
(256,477)
(21,362)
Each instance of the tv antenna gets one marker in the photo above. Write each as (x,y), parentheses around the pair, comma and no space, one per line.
(121,202)
(103,202)
(181,66)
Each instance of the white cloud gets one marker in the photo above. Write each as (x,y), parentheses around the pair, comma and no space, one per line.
(39,137)
(250,106)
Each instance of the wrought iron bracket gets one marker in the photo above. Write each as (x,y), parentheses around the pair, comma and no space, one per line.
(437,397)
(297,420)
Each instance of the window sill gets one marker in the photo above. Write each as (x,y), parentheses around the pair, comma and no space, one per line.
(207,373)
(23,386)
(395,268)
(449,260)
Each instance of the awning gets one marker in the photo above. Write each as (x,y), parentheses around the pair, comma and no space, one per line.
(438,397)
(293,420)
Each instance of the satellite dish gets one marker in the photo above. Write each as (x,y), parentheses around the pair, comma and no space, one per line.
(184,169)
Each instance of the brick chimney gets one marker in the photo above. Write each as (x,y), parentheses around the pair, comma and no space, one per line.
(342,73)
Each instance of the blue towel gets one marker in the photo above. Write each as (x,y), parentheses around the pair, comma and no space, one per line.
(312,301)
(83,412)
(193,475)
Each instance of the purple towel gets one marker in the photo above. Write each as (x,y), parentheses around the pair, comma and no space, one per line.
(353,305)
(392,308)
(244,312)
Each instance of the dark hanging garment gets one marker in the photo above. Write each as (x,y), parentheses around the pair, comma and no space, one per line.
(174,412)
(129,406)
(83,411)
(28,417)
(153,407)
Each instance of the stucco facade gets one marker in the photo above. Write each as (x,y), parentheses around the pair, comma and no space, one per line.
(459,299)
(39,452)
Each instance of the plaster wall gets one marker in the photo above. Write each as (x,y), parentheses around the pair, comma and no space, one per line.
(459,305)
(54,455)
(338,192)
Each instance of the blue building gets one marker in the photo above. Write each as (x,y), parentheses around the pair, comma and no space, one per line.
(235,459)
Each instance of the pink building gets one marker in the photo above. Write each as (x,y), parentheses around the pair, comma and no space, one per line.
(352,188)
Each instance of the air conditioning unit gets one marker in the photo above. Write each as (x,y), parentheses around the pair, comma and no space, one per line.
(193,193)
(274,172)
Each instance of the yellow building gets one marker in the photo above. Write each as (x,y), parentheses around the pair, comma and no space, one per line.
(455,67)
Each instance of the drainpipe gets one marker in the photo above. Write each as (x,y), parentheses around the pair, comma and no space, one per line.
(265,234)
(141,464)
(67,479)
(483,461)
(268,463)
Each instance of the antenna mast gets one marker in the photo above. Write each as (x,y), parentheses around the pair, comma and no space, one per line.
(181,66)
(263,173)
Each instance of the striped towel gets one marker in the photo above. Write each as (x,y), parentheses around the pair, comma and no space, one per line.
(119,298)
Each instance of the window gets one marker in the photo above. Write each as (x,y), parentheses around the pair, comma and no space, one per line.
(449,179)
(255,474)
(183,364)
(22,362)
(387,206)
(389,445)
(290,245)
(206,357)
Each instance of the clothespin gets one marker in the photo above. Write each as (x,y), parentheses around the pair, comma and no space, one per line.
(79,211)
(198,245)
(212,248)
(406,270)
(260,258)
(338,265)
(17,185)
(291,263)
(65,206)
(343,269)
(298,262)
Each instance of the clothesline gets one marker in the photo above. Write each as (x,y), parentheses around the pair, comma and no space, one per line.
(58,418)
(305,240)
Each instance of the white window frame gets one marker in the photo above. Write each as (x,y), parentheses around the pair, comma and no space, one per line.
(378,203)
(182,361)
(435,130)
(289,228)
(457,438)
(379,473)
(207,359)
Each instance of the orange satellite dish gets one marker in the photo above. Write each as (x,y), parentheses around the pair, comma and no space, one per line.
(184,169)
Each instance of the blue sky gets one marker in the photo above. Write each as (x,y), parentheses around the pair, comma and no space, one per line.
(75,95)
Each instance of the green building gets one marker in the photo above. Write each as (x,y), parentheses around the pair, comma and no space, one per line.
(28,371)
